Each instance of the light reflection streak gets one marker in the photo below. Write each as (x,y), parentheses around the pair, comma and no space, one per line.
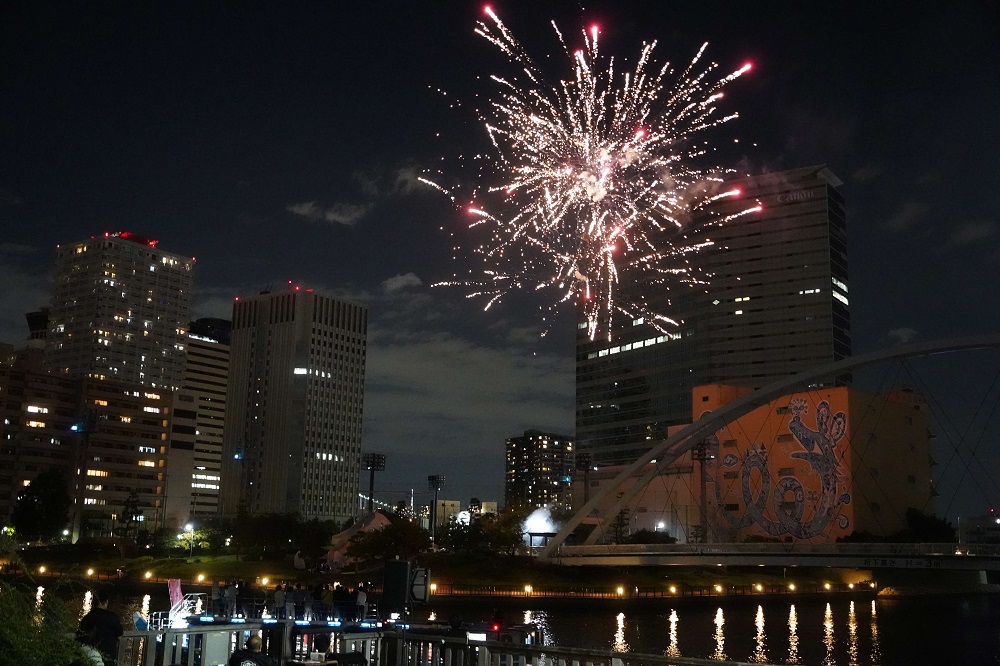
(620,645)
(88,603)
(760,652)
(828,660)
(876,658)
(541,620)
(793,636)
(852,636)
(39,595)
(720,637)
(673,650)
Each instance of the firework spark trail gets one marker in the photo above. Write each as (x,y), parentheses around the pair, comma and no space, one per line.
(596,179)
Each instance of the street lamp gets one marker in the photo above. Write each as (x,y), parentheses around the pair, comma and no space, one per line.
(189,528)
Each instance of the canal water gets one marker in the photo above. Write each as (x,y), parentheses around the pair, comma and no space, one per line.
(813,631)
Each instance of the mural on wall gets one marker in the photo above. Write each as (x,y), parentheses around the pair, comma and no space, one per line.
(780,498)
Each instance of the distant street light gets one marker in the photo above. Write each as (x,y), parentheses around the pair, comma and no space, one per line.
(189,528)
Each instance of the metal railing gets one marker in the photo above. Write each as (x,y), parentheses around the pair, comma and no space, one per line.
(211,645)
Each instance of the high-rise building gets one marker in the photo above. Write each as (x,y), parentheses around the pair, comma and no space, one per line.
(195,456)
(108,438)
(120,309)
(774,303)
(292,440)
(539,470)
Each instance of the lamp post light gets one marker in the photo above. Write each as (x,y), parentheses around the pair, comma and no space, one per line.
(435,482)
(373,462)
(189,528)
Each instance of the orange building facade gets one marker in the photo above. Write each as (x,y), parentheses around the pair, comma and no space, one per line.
(812,466)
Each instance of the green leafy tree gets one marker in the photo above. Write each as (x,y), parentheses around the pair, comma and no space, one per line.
(33,634)
(504,532)
(42,507)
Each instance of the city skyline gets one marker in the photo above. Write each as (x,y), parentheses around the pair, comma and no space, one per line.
(284,144)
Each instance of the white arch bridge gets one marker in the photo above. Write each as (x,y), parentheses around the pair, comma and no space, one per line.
(616,495)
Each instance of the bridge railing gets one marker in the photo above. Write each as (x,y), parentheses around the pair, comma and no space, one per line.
(799,548)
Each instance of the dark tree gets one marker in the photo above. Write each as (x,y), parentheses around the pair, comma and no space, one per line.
(399,538)
(42,508)
(922,528)
(649,536)
(131,515)
(620,526)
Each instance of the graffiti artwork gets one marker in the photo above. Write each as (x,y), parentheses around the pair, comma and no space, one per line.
(782,497)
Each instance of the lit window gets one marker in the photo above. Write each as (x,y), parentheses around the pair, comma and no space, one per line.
(96,472)
(35,409)
(101,403)
(36,424)
(151,410)
(147,463)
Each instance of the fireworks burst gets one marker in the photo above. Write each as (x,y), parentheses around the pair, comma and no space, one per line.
(595,178)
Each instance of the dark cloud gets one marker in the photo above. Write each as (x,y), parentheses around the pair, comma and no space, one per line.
(340,213)
(902,335)
(908,216)
(971,232)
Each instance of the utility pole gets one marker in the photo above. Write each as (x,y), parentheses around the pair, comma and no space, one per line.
(373,462)
(83,428)
(700,453)
(435,482)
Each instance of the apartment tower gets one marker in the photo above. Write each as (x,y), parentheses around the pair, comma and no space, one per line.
(120,309)
(539,470)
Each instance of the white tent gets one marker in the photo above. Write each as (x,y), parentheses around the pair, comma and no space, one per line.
(336,557)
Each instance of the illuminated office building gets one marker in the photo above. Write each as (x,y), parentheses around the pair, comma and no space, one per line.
(775,303)
(292,441)
(196,425)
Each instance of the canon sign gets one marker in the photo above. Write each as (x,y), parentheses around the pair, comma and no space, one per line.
(795,196)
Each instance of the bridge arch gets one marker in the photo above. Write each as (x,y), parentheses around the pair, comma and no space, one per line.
(668,450)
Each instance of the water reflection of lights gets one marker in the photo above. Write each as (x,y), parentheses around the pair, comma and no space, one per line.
(541,620)
(828,636)
(673,650)
(620,645)
(760,651)
(88,603)
(793,636)
(39,594)
(720,637)
(876,650)
(852,636)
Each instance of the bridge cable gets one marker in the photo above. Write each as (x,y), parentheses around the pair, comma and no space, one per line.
(881,397)
(962,438)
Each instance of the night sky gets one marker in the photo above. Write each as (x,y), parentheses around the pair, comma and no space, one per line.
(278,143)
